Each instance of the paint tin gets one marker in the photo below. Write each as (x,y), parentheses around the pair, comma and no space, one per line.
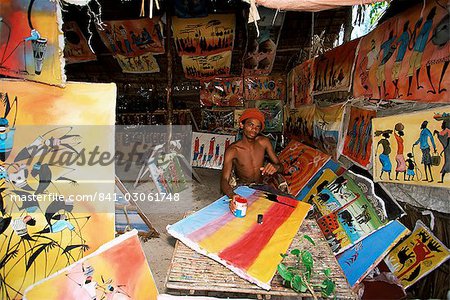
(240,205)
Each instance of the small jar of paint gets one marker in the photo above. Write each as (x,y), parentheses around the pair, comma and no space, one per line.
(240,204)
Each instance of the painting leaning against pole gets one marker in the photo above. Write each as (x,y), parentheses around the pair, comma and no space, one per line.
(413,148)
(117,270)
(32,41)
(55,203)
(407,56)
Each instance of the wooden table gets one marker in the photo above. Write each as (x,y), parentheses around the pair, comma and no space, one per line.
(193,273)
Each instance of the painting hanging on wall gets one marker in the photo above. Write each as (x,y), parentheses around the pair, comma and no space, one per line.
(300,90)
(265,87)
(273,112)
(145,63)
(358,137)
(333,69)
(207,67)
(299,124)
(117,270)
(263,42)
(360,259)
(406,57)
(327,128)
(76,49)
(217,119)
(208,149)
(222,92)
(418,255)
(133,37)
(32,43)
(51,214)
(249,249)
(417,143)
(300,164)
(237,115)
(204,36)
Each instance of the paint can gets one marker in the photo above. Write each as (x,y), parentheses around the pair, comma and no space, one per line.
(240,205)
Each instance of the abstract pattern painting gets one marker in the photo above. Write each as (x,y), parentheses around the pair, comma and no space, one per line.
(215,119)
(407,57)
(300,163)
(222,92)
(358,138)
(117,270)
(263,42)
(327,128)
(333,69)
(208,149)
(417,256)
(360,259)
(133,37)
(51,214)
(204,36)
(302,78)
(273,112)
(299,124)
(249,249)
(76,48)
(412,148)
(207,67)
(265,87)
(237,115)
(32,44)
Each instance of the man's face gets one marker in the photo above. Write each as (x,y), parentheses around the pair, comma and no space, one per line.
(252,127)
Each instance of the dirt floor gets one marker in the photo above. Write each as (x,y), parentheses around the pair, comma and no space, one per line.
(159,250)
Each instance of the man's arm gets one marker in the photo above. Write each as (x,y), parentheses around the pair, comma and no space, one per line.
(226,172)
(275,165)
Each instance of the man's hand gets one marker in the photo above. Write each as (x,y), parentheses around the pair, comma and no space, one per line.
(269,169)
(232,204)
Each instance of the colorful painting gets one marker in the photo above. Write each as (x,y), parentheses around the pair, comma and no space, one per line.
(204,36)
(300,164)
(263,41)
(237,115)
(32,44)
(417,143)
(333,69)
(347,214)
(358,138)
(222,92)
(299,124)
(168,174)
(329,172)
(209,149)
(215,119)
(265,88)
(118,270)
(76,49)
(51,213)
(207,67)
(327,128)
(360,259)
(417,256)
(302,78)
(250,249)
(273,112)
(406,57)
(145,63)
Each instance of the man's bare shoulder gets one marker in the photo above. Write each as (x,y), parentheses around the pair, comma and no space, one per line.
(262,140)
(233,147)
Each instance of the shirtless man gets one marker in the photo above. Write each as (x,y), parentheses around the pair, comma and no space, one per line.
(246,156)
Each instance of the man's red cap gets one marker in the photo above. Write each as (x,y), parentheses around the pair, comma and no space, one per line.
(253,113)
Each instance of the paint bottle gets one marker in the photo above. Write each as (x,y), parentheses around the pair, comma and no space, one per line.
(240,203)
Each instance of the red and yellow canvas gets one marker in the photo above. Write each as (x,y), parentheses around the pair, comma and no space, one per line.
(207,67)
(32,42)
(406,57)
(333,69)
(299,123)
(358,138)
(418,255)
(413,148)
(145,63)
(117,270)
(57,195)
(227,91)
(302,84)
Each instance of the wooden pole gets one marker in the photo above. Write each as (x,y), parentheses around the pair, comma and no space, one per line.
(169,65)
